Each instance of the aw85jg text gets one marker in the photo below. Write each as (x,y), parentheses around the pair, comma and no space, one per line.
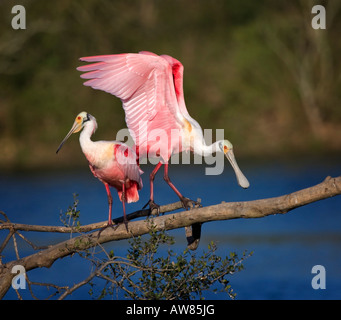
(175,309)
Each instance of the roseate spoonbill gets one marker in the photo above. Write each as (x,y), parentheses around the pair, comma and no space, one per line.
(112,162)
(151,90)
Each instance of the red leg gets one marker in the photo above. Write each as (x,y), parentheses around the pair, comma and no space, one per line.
(123,198)
(109,202)
(151,203)
(166,178)
(151,180)
(185,201)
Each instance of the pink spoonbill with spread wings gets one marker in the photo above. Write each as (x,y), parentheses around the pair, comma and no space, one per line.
(112,162)
(151,90)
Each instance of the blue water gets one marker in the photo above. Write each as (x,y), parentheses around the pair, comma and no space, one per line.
(285,247)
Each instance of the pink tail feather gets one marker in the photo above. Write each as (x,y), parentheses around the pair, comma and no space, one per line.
(132,194)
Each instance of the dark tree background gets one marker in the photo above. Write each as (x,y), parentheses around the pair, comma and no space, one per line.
(250,66)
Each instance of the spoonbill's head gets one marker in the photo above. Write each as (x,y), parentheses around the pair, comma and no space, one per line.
(79,123)
(227,148)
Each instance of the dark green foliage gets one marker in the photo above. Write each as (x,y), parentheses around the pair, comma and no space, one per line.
(153,270)
(241,63)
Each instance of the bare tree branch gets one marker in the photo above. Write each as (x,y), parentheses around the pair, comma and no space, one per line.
(86,228)
(250,209)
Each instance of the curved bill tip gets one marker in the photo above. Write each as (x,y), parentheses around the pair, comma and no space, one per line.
(242,180)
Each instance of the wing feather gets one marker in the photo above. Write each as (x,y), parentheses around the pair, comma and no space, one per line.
(144,83)
(126,160)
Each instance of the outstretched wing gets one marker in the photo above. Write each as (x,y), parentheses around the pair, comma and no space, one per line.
(178,76)
(144,83)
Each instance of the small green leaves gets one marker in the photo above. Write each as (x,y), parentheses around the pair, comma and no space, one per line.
(152,270)
(71,217)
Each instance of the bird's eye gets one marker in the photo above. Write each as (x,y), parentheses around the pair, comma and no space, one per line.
(226,149)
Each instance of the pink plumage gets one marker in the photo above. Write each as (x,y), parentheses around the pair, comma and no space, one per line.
(151,90)
(112,162)
(142,82)
(120,167)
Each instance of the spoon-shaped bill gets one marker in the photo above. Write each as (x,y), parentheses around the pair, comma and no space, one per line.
(242,181)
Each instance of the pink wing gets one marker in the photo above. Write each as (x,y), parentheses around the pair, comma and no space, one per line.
(144,83)
(178,75)
(126,160)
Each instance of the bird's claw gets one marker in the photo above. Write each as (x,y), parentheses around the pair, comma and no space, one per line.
(152,206)
(113,226)
(189,204)
(126,224)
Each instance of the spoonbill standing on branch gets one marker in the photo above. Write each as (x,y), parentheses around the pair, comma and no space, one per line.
(112,162)
(151,90)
